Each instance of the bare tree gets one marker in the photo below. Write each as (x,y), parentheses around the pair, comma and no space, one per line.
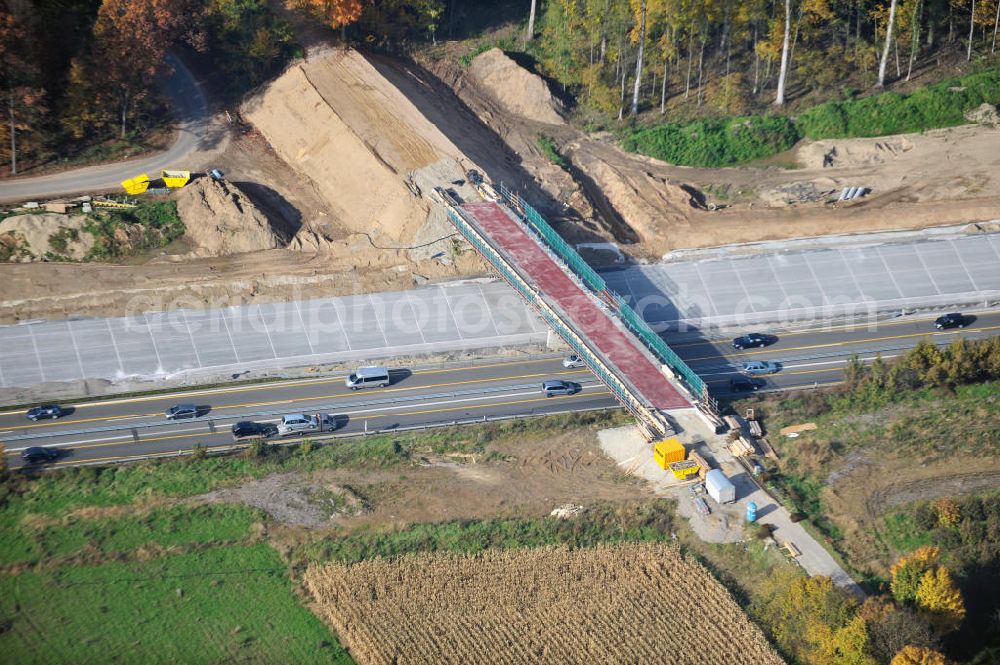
(888,42)
(531,20)
(996,22)
(638,61)
(972,29)
(779,98)
(915,30)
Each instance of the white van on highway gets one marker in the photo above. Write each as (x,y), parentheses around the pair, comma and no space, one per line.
(368,377)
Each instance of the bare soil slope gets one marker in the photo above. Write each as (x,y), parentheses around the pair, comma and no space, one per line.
(516,89)
(341,125)
(221,220)
(936,178)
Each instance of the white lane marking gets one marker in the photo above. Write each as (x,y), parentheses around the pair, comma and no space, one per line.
(386,407)
(64,444)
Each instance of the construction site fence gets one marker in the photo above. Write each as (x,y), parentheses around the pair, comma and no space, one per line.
(612,382)
(638,325)
(553,240)
(629,317)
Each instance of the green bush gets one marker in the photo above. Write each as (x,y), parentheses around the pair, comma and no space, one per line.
(159,222)
(59,241)
(714,142)
(941,105)
(550,150)
(724,142)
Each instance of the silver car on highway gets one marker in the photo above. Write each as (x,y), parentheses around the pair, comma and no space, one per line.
(760,367)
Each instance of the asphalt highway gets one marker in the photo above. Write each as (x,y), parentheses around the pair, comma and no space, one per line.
(119,428)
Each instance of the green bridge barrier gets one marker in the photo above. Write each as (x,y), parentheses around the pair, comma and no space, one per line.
(555,242)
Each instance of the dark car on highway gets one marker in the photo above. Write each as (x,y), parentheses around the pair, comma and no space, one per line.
(753,339)
(743,384)
(39,455)
(247,429)
(45,411)
(953,320)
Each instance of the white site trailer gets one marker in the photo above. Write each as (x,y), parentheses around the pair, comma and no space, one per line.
(719,487)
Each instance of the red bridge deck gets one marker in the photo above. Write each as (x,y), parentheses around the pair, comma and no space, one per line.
(588,319)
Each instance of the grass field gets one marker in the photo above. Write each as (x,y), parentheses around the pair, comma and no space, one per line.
(609,604)
(226,604)
(116,565)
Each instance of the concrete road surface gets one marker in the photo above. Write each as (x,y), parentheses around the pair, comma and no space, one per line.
(191,110)
(117,428)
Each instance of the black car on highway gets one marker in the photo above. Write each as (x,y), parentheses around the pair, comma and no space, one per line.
(39,455)
(247,429)
(753,339)
(953,320)
(45,411)
(744,384)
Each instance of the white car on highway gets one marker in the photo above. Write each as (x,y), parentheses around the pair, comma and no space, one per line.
(573,362)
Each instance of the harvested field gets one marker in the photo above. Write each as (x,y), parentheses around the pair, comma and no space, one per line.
(636,603)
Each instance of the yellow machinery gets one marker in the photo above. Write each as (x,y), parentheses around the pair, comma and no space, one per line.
(684,470)
(136,185)
(175,179)
(667,451)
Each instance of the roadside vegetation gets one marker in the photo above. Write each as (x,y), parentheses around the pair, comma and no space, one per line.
(136,546)
(121,233)
(927,421)
(551,151)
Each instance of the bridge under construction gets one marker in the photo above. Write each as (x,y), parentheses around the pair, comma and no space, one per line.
(633,361)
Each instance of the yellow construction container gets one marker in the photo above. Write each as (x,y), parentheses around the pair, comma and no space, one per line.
(136,185)
(684,470)
(667,451)
(174,179)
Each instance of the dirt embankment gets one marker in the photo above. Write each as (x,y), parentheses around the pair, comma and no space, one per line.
(220,220)
(322,197)
(936,178)
(26,238)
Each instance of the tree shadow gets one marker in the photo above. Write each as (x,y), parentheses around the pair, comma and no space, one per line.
(463,20)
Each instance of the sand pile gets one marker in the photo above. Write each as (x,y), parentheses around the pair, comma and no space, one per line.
(220,220)
(31,237)
(343,126)
(853,152)
(516,89)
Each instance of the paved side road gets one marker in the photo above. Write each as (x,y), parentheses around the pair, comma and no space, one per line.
(190,108)
(815,559)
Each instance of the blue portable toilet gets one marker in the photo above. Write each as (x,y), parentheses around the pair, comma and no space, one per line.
(751,512)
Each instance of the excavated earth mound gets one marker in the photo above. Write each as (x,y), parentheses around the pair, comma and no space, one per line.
(29,237)
(647,205)
(220,220)
(343,126)
(516,89)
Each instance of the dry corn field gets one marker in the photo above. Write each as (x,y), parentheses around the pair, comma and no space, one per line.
(632,603)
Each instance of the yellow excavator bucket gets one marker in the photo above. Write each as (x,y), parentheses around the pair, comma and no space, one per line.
(136,185)
(174,179)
